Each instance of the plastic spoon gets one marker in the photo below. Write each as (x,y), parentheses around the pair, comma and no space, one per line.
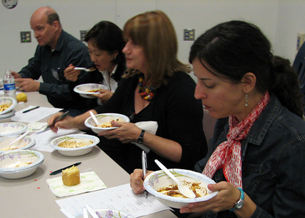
(17,139)
(85,213)
(84,69)
(183,189)
(94,118)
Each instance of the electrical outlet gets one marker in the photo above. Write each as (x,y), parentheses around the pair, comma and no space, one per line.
(25,37)
(83,34)
(189,34)
(300,40)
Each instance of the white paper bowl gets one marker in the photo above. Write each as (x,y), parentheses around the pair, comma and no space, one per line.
(110,213)
(104,118)
(84,89)
(25,143)
(9,160)
(75,151)
(7,100)
(159,179)
(12,128)
(8,114)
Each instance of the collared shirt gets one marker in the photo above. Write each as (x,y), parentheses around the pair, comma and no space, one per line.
(272,162)
(108,80)
(50,66)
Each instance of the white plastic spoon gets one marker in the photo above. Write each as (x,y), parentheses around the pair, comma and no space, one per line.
(17,139)
(85,213)
(91,211)
(94,118)
(183,189)
(85,69)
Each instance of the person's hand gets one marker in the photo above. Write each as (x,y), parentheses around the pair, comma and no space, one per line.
(27,85)
(66,123)
(226,198)
(136,181)
(16,75)
(103,95)
(71,74)
(126,132)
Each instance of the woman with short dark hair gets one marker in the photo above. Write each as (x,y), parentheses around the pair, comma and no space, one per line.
(105,43)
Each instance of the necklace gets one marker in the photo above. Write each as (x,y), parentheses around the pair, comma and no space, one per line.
(147,93)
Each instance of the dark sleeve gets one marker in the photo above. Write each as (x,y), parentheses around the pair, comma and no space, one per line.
(118,100)
(78,57)
(32,70)
(183,120)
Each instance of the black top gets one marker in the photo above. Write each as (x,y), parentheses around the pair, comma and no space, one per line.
(179,117)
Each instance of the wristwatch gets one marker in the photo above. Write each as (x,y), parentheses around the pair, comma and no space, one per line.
(140,139)
(240,203)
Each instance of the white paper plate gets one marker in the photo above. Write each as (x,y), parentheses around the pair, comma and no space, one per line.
(7,115)
(12,128)
(104,118)
(8,100)
(84,89)
(75,151)
(9,161)
(23,144)
(159,179)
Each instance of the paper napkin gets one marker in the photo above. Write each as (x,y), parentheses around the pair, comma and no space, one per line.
(89,182)
(149,126)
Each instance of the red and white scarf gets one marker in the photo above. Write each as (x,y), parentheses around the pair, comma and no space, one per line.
(228,154)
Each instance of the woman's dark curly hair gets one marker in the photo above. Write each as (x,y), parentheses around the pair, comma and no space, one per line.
(236,47)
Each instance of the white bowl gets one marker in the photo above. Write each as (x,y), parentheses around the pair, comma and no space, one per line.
(7,100)
(75,151)
(9,161)
(104,118)
(84,89)
(7,115)
(23,144)
(12,128)
(159,179)
(110,213)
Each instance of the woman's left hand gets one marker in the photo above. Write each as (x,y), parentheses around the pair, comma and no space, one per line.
(103,95)
(226,198)
(126,132)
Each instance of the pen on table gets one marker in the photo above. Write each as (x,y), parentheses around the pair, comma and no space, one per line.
(60,170)
(144,167)
(30,109)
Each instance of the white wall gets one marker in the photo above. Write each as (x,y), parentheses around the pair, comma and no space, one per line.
(280,20)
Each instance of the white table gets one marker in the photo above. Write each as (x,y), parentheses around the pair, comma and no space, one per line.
(31,197)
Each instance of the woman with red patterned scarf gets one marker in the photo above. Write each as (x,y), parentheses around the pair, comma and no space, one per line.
(257,150)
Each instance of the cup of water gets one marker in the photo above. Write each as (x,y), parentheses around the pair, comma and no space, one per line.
(1,84)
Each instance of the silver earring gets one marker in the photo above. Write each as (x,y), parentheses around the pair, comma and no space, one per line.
(246,101)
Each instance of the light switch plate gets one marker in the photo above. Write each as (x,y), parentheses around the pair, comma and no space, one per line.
(189,34)
(83,34)
(25,36)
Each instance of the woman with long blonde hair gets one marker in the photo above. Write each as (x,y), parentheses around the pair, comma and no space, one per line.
(156,88)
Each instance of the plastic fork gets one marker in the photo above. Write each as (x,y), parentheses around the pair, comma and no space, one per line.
(183,189)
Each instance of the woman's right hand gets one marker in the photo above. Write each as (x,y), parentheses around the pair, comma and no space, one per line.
(71,74)
(66,123)
(136,181)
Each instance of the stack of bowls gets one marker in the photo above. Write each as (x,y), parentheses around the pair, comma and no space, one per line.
(7,105)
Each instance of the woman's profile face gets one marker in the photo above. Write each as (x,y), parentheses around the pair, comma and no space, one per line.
(220,97)
(101,58)
(135,58)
